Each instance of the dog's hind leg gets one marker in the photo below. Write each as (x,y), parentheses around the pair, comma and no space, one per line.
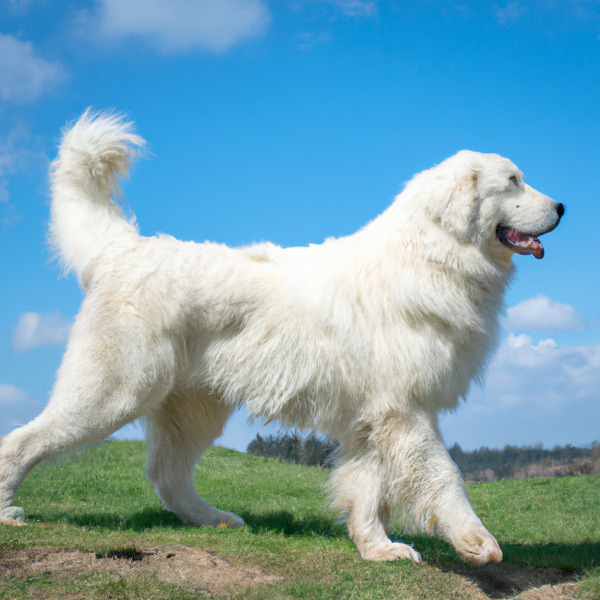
(101,385)
(178,432)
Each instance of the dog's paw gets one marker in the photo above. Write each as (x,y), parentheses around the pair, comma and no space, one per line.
(12,515)
(477,546)
(388,551)
(231,521)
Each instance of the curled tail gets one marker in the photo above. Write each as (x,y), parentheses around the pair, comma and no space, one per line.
(84,218)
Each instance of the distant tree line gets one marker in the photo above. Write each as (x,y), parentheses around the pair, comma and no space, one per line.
(517,462)
(485,464)
(313,451)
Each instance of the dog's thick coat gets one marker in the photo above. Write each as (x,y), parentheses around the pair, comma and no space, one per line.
(365,338)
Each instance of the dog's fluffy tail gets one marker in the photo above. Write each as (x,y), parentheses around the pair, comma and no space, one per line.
(84,218)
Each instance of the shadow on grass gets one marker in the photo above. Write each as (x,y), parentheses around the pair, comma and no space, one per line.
(297,525)
(528,566)
(505,580)
(281,522)
(148,518)
(566,557)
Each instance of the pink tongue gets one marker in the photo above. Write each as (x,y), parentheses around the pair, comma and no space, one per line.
(525,244)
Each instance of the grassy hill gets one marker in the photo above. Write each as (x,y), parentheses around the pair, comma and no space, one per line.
(97,530)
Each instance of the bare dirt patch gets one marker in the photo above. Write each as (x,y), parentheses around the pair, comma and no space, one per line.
(204,572)
(518,583)
(207,574)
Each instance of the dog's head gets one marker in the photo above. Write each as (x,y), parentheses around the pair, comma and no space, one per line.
(481,199)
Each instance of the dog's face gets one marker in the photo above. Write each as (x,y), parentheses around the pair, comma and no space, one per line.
(515,212)
(489,205)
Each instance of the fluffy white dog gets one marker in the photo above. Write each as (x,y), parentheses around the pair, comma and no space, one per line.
(366,338)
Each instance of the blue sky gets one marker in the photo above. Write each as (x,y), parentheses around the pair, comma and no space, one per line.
(295,120)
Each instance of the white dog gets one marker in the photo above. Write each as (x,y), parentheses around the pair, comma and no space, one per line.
(366,338)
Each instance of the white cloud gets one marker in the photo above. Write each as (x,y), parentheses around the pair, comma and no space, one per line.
(179,25)
(542,314)
(544,372)
(17,407)
(534,392)
(24,76)
(34,330)
(9,394)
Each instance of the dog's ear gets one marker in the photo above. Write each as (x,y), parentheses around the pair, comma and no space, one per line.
(457,206)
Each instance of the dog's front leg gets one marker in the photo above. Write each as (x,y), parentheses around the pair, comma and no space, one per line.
(427,482)
(401,459)
(361,493)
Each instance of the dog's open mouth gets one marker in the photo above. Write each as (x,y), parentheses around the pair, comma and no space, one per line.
(521,243)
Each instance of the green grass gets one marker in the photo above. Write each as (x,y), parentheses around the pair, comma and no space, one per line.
(99,501)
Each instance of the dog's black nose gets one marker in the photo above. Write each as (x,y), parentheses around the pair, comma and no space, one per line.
(560,209)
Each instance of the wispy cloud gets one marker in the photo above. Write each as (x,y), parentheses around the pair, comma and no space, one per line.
(348,8)
(549,14)
(542,314)
(9,394)
(8,211)
(357,8)
(36,330)
(175,26)
(18,151)
(308,40)
(24,75)
(17,407)
(326,13)
(20,4)
(511,13)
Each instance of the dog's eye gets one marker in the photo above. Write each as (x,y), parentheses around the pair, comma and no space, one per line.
(514,179)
